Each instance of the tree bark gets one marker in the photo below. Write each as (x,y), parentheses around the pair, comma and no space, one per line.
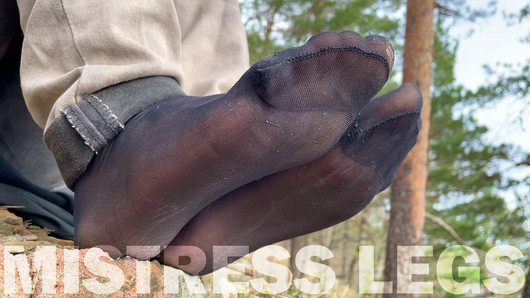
(327,236)
(297,243)
(409,187)
(526,290)
(352,277)
(345,248)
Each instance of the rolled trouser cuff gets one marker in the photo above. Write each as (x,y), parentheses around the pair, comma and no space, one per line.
(86,127)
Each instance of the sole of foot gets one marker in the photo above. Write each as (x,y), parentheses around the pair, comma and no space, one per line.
(183,153)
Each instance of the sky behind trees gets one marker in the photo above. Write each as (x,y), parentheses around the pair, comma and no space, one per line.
(494,40)
(497,40)
(479,178)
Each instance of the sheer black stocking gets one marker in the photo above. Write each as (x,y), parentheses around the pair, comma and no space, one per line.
(312,196)
(181,154)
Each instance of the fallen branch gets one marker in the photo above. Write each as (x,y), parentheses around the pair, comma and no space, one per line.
(441,223)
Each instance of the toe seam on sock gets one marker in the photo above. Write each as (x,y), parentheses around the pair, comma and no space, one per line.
(400,115)
(332,49)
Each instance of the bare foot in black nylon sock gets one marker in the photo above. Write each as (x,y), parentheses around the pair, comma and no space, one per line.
(312,196)
(179,155)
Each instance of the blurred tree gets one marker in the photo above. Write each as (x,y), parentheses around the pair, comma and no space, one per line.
(511,80)
(470,186)
(275,24)
(409,186)
(272,25)
(408,196)
(467,175)
(297,243)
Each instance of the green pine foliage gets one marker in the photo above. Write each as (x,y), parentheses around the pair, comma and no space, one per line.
(275,24)
(466,181)
(469,187)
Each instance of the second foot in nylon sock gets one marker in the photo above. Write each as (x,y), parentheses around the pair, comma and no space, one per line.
(181,154)
(309,197)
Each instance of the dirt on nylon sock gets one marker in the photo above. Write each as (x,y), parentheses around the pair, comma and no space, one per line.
(179,155)
(309,197)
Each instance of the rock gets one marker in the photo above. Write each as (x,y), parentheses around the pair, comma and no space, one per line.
(15,249)
(30,237)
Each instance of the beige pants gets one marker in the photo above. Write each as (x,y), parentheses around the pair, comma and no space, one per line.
(90,65)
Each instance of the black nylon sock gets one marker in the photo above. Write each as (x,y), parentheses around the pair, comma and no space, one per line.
(312,196)
(181,154)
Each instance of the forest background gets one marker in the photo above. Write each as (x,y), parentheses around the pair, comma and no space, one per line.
(478,188)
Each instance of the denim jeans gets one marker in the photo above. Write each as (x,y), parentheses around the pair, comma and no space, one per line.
(29,176)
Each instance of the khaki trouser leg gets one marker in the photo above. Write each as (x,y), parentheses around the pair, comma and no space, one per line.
(89,66)
(214,46)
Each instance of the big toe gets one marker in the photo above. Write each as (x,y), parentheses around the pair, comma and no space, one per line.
(331,72)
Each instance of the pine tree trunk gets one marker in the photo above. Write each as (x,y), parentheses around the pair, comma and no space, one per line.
(354,278)
(297,243)
(409,187)
(345,249)
(526,290)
